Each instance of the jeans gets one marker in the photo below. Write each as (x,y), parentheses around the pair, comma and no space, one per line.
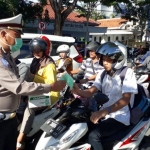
(8,134)
(103,129)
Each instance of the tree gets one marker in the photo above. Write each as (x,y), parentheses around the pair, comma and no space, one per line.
(135,10)
(61,8)
(87,8)
(29,10)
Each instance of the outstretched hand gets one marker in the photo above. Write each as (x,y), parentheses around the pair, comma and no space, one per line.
(58,85)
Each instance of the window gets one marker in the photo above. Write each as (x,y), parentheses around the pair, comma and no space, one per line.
(122,38)
(109,38)
(100,39)
(117,38)
(95,38)
(26,53)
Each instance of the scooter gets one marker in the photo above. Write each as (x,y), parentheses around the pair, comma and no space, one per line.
(43,115)
(69,128)
(143,78)
(56,137)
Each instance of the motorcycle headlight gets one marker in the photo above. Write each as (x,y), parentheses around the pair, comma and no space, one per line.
(57,145)
(69,137)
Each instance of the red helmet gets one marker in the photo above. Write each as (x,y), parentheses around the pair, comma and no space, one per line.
(49,44)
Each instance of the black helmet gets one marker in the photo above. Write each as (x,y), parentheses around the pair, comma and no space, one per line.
(112,50)
(38,44)
(92,46)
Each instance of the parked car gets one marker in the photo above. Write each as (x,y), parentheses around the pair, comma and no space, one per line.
(26,56)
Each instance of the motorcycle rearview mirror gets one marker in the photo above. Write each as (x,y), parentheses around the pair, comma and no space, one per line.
(100,98)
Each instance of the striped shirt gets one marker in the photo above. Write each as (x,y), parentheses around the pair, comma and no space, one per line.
(91,68)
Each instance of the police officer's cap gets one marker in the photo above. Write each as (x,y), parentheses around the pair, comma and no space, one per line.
(13,23)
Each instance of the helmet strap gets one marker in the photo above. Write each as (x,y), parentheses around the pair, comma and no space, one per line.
(113,70)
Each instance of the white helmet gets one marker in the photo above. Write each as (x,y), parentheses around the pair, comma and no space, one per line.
(15,54)
(124,51)
(113,51)
(63,48)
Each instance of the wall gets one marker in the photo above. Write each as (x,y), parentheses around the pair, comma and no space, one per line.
(104,38)
(76,30)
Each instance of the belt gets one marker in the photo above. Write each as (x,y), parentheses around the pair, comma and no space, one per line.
(6,116)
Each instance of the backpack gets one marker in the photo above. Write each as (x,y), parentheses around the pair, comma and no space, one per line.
(141,102)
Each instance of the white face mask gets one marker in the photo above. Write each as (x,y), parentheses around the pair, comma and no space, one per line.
(15,54)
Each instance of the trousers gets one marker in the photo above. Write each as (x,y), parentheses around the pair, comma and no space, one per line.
(8,134)
(103,129)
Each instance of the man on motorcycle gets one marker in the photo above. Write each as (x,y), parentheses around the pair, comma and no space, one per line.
(146,63)
(142,58)
(90,66)
(115,114)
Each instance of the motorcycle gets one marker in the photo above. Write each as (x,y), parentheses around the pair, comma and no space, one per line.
(70,127)
(143,78)
(58,137)
(44,114)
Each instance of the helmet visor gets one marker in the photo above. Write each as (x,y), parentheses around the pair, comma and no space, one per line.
(110,50)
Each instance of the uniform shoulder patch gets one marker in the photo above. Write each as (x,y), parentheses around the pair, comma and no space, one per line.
(4,62)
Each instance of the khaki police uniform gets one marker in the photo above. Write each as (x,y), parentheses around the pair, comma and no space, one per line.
(11,89)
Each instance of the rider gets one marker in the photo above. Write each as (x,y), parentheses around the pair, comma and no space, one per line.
(146,63)
(141,59)
(64,62)
(114,114)
(42,70)
(91,65)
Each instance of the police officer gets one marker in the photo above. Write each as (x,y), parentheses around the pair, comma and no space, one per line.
(11,86)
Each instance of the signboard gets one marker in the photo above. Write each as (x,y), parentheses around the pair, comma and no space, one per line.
(42,25)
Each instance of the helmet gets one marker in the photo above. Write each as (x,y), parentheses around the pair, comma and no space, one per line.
(15,54)
(63,48)
(38,44)
(123,48)
(114,52)
(92,46)
(49,44)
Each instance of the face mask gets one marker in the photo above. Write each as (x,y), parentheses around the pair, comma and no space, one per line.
(16,46)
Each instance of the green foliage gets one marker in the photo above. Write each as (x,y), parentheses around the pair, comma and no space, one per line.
(30,11)
(112,16)
(87,1)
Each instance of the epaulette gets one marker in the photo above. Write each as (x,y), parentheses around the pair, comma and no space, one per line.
(4,62)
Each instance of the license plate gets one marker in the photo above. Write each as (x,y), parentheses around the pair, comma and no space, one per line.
(53,127)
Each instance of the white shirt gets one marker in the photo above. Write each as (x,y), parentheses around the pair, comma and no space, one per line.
(61,63)
(113,88)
